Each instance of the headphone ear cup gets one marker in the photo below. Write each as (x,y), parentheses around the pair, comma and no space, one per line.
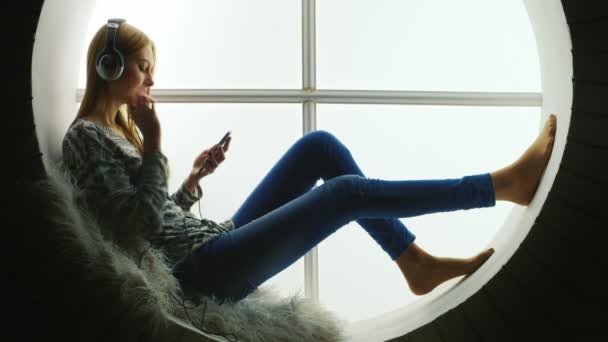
(109,62)
(110,65)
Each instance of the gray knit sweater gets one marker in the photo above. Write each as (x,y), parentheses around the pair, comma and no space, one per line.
(127,192)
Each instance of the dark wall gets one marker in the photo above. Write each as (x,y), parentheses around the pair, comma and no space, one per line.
(551,290)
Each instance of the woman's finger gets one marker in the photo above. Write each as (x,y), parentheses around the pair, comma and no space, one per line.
(143,100)
(200,163)
(210,162)
(214,161)
(227,144)
(204,153)
(220,156)
(210,158)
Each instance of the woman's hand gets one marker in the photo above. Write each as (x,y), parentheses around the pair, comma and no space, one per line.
(144,115)
(209,160)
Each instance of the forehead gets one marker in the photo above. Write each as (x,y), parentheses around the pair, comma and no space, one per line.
(145,55)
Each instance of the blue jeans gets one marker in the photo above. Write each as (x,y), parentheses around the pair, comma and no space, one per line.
(286,215)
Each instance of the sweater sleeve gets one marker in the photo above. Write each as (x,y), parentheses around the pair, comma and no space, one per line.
(125,204)
(184,198)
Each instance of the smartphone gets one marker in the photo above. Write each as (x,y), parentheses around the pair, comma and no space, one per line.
(224,138)
(221,143)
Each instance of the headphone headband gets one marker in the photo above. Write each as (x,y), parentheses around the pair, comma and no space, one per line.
(110,61)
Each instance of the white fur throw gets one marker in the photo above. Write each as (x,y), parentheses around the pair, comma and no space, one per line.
(100,290)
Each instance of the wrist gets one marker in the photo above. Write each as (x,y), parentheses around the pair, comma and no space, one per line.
(191,184)
(151,146)
(151,141)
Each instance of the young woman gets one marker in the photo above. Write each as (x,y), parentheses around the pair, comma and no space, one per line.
(124,181)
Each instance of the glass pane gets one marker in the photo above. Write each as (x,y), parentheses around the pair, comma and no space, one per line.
(214,44)
(415,142)
(261,133)
(433,45)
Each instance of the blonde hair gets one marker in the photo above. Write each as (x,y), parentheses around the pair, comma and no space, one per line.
(130,40)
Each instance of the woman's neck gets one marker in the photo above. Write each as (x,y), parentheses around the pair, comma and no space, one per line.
(107,115)
(103,119)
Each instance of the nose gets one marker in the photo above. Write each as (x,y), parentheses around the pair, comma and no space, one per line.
(149,82)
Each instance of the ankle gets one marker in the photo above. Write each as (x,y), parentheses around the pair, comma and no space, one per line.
(413,256)
(505,183)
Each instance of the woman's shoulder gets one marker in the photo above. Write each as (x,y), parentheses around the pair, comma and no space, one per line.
(92,130)
(83,132)
(79,130)
(98,137)
(88,133)
(82,125)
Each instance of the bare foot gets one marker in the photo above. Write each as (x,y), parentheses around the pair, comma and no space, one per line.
(424,272)
(529,168)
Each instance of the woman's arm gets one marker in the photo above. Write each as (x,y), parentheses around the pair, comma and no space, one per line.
(204,164)
(191,184)
(185,197)
(125,204)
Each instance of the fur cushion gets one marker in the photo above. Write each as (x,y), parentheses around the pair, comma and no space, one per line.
(124,290)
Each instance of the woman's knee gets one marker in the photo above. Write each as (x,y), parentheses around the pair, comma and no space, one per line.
(321,134)
(322,138)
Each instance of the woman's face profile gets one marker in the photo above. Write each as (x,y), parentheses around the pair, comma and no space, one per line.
(137,78)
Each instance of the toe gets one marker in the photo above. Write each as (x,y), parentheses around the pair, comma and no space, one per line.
(483,257)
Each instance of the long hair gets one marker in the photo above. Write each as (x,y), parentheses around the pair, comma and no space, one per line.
(130,40)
